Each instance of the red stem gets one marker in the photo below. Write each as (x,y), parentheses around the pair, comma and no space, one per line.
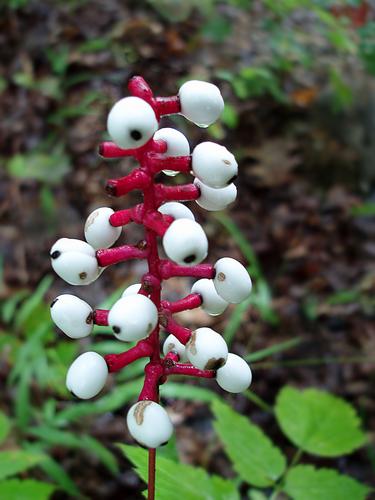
(168,105)
(138,87)
(176,163)
(191,301)
(157,222)
(116,362)
(182,333)
(137,179)
(108,256)
(111,150)
(183,192)
(169,269)
(190,370)
(100,317)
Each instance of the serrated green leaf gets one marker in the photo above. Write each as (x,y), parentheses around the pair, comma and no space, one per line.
(255,458)
(5,426)
(14,461)
(318,422)
(191,483)
(14,489)
(304,482)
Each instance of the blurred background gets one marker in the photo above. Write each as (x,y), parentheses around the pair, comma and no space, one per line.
(297,79)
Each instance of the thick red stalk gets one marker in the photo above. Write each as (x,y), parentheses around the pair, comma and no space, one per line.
(190,370)
(191,301)
(109,256)
(169,269)
(183,192)
(168,105)
(100,317)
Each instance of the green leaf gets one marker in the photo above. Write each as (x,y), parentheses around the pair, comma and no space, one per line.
(14,461)
(105,456)
(274,349)
(13,489)
(46,167)
(191,483)
(54,470)
(255,458)
(85,442)
(5,426)
(111,402)
(35,300)
(318,422)
(187,391)
(304,482)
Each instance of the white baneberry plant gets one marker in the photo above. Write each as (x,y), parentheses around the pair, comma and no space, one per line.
(140,313)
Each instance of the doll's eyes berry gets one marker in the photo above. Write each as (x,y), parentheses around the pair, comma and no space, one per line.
(141,310)
(136,135)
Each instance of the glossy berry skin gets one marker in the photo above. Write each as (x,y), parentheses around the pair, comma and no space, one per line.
(149,424)
(172,344)
(177,145)
(74,261)
(235,376)
(201,102)
(212,303)
(213,199)
(98,231)
(87,375)
(131,122)
(214,165)
(232,281)
(185,242)
(131,290)
(206,349)
(176,210)
(72,315)
(133,317)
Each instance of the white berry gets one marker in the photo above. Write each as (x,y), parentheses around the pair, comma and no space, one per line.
(131,290)
(149,424)
(201,102)
(72,315)
(131,122)
(212,199)
(212,303)
(206,349)
(74,261)
(232,281)
(235,375)
(87,375)
(133,317)
(172,343)
(214,165)
(185,242)
(176,210)
(99,233)
(177,145)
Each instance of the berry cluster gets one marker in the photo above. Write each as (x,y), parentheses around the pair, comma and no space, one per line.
(138,315)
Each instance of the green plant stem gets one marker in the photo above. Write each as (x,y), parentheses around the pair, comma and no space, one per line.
(258,401)
(274,349)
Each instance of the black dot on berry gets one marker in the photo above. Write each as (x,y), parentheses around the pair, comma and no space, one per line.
(190,258)
(116,329)
(136,135)
(55,254)
(53,303)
